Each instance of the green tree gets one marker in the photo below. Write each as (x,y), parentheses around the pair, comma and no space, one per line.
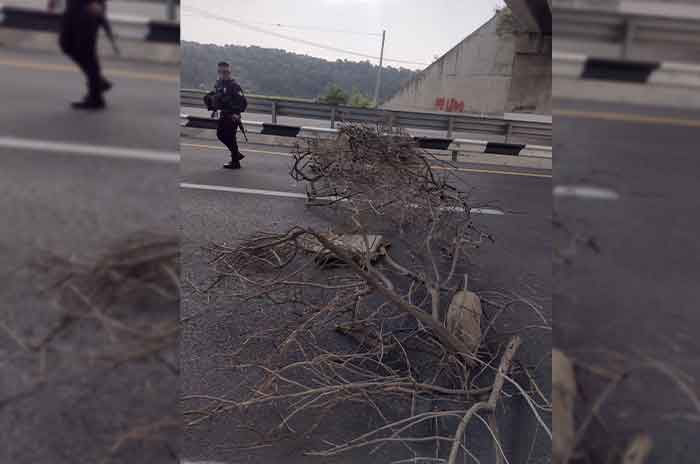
(360,100)
(334,96)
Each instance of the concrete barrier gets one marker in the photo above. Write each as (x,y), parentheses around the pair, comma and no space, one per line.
(668,84)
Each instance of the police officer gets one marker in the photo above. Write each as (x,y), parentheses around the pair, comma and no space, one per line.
(78,39)
(233,103)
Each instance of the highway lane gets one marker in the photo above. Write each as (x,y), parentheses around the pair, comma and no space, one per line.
(626,264)
(520,262)
(141,110)
(73,185)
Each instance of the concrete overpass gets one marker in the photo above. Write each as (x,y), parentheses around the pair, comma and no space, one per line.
(505,66)
(532,15)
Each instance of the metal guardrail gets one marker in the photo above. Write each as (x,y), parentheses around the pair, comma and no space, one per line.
(457,147)
(141,29)
(627,30)
(450,123)
(171,6)
(668,75)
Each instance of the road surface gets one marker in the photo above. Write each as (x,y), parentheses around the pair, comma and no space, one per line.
(72,185)
(626,267)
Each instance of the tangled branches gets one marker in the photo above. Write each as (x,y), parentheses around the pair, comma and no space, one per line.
(140,272)
(383,174)
(115,317)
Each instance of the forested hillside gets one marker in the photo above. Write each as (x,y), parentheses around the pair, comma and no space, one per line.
(274,72)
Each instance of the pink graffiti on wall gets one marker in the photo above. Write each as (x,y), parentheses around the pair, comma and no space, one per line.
(449,105)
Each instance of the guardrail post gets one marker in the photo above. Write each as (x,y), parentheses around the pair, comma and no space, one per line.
(390,120)
(509,131)
(274,112)
(333,118)
(628,39)
(450,126)
(170,10)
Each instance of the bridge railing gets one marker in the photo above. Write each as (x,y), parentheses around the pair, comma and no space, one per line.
(508,128)
(171,6)
(458,148)
(629,33)
(125,27)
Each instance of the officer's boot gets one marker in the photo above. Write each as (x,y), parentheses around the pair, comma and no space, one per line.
(233,164)
(94,99)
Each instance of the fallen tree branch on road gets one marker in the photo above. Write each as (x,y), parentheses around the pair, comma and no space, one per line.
(386,328)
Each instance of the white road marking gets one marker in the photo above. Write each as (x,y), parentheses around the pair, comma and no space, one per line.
(585,192)
(245,191)
(492,211)
(302,196)
(98,151)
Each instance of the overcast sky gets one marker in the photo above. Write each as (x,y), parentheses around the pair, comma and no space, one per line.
(417,30)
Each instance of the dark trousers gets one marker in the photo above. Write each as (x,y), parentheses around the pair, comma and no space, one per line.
(226,132)
(78,40)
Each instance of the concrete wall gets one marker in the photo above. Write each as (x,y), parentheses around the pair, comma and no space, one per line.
(531,82)
(493,71)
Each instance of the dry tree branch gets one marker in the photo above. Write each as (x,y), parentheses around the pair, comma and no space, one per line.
(489,405)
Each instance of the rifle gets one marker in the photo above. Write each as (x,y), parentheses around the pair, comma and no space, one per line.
(240,124)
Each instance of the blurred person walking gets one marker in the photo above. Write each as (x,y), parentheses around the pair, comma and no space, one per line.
(78,39)
(229,101)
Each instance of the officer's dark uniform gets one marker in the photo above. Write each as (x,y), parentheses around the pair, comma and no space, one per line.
(230,93)
(78,40)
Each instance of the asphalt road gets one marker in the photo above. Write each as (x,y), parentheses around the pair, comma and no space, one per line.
(231,204)
(626,216)
(72,186)
(141,108)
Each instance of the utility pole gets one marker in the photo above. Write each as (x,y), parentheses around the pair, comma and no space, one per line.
(379,71)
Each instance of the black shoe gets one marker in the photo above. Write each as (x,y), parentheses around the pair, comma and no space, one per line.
(232,165)
(240,156)
(89,104)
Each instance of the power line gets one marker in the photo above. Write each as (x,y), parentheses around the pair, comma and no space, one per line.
(340,31)
(293,39)
(313,28)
